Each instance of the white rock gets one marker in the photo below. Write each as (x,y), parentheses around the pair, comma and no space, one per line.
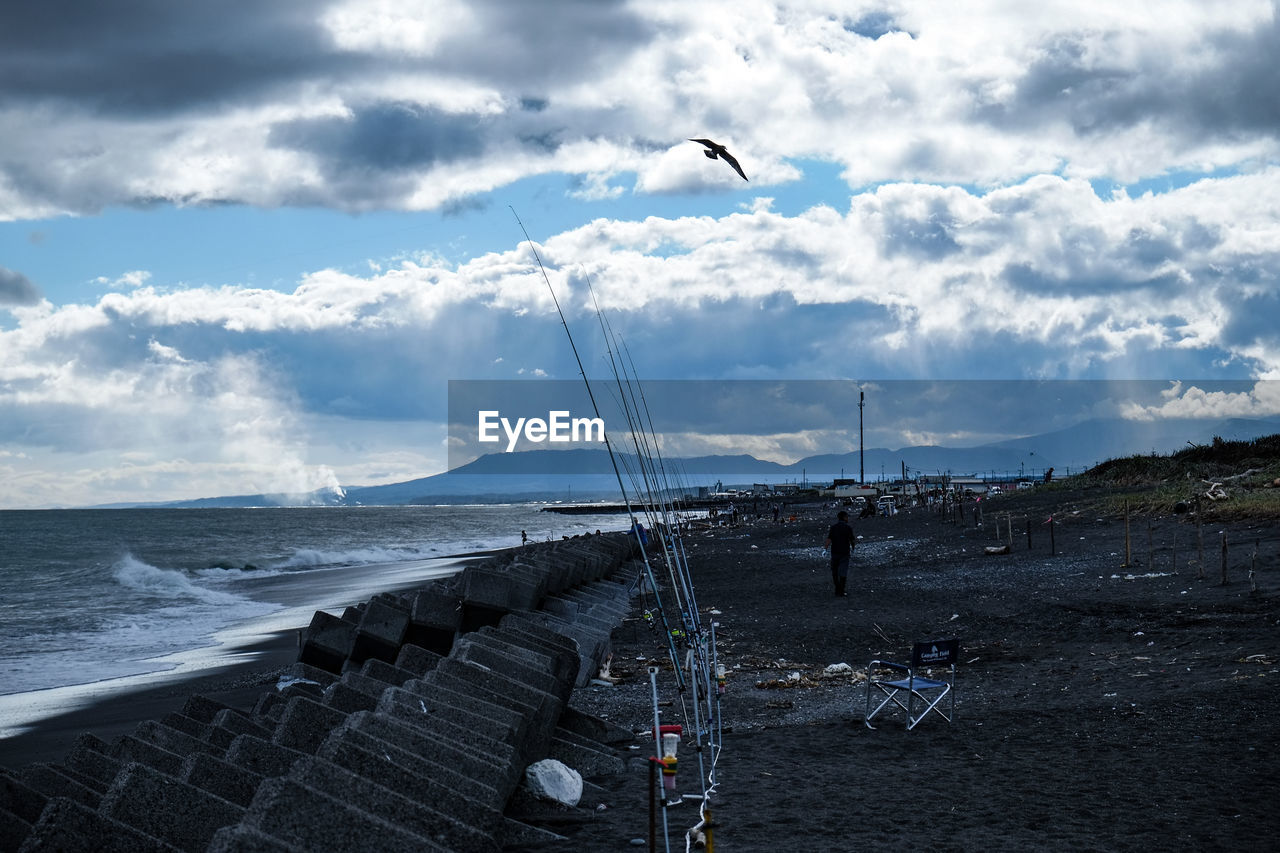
(837,669)
(552,780)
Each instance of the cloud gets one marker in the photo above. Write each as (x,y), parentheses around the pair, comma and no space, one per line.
(1189,400)
(415,105)
(17,289)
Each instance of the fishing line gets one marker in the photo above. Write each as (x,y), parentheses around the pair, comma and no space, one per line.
(675,660)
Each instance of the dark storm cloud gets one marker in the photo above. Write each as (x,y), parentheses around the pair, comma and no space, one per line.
(17,289)
(386,136)
(140,57)
(148,57)
(1228,89)
(1253,320)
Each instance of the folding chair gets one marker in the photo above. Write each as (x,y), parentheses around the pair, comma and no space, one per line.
(893,679)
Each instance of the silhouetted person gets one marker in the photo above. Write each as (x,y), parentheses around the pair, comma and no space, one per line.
(840,541)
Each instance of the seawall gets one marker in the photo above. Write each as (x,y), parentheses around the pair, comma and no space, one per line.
(407,724)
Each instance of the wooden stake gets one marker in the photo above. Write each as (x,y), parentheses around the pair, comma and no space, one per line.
(1008,520)
(1151,548)
(1052,549)
(1173,553)
(1199,540)
(1224,558)
(1127,561)
(1253,564)
(1028,534)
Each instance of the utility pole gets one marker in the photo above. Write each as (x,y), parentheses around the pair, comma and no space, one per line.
(862,468)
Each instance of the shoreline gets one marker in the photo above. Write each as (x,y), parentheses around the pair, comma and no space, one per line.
(122,703)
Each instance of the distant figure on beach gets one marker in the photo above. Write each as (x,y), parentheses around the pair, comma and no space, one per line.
(638,531)
(524,538)
(840,542)
(1048,475)
(776,509)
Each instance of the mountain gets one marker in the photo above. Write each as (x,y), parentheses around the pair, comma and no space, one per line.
(587,474)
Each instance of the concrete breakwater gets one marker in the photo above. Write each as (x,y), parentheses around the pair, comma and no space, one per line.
(406,724)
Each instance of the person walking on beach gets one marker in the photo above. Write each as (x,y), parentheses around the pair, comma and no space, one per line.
(524,538)
(840,542)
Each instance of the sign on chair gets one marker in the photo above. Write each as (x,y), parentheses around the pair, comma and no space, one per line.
(935,653)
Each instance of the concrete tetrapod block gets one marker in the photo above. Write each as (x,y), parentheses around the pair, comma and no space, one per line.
(418,660)
(173,741)
(52,782)
(387,673)
(13,830)
(543,709)
(497,721)
(465,726)
(309,820)
(221,778)
(585,756)
(441,770)
(482,760)
(347,699)
(421,787)
(434,618)
(393,807)
(186,725)
(381,632)
(305,724)
(303,673)
(235,723)
(562,666)
(204,709)
(550,636)
(244,839)
(165,808)
(594,643)
(595,728)
(20,799)
(262,756)
(516,666)
(68,826)
(91,767)
(328,643)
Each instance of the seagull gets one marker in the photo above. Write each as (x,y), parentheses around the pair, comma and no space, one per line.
(715,149)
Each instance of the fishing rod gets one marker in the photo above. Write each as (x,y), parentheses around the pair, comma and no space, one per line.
(671,649)
(697,662)
(662,530)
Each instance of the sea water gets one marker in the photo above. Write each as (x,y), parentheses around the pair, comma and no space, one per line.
(98,597)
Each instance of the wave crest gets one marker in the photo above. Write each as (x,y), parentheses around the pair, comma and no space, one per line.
(139,576)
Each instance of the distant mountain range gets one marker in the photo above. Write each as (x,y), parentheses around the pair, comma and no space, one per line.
(585,474)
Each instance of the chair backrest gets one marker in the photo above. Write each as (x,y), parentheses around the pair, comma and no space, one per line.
(935,653)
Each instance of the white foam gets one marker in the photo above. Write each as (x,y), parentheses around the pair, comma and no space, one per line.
(136,575)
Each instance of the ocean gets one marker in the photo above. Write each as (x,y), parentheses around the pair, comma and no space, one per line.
(94,602)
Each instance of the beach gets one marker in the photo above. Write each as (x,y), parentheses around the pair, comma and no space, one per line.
(1100,706)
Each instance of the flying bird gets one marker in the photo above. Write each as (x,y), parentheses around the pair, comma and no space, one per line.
(715,149)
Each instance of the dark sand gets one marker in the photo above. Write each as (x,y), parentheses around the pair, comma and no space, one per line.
(237,685)
(1094,712)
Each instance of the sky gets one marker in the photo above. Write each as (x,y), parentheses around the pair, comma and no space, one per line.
(244,247)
